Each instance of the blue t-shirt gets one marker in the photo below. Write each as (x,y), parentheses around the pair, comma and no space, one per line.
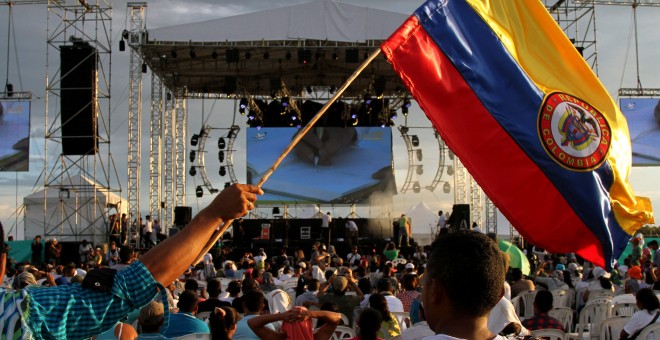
(185,323)
(244,332)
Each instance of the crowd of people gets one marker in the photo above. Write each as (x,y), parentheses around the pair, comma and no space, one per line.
(460,287)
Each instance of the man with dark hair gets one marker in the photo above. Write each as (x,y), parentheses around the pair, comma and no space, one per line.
(656,254)
(253,304)
(464,280)
(214,289)
(126,257)
(247,285)
(384,286)
(233,288)
(184,322)
(410,293)
(520,283)
(540,320)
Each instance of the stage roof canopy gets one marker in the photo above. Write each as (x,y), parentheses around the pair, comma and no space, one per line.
(316,45)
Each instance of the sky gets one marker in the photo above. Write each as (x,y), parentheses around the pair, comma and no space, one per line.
(26,70)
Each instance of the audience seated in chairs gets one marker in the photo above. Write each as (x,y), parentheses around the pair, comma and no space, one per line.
(369,323)
(253,304)
(390,326)
(649,310)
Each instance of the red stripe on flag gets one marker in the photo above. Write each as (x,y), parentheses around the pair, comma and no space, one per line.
(482,145)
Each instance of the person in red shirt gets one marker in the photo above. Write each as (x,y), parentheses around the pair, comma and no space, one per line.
(410,283)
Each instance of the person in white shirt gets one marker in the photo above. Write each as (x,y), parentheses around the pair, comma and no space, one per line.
(325,227)
(149,232)
(648,313)
(352,233)
(394,305)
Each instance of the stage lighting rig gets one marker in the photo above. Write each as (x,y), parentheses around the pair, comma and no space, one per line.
(194,140)
(193,171)
(199,192)
(221,143)
(193,155)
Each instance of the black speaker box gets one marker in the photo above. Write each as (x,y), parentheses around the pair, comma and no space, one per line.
(460,217)
(182,215)
(78,102)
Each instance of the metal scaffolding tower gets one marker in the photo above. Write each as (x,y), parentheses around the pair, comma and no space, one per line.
(136,12)
(476,205)
(80,179)
(460,182)
(491,216)
(578,21)
(168,161)
(180,128)
(156,127)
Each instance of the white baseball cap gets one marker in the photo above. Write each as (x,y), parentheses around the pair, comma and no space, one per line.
(410,266)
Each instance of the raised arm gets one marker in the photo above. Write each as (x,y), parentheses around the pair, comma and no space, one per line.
(170,258)
(258,324)
(330,322)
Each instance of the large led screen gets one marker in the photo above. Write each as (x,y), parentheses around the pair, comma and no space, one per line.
(643,116)
(14,135)
(329,165)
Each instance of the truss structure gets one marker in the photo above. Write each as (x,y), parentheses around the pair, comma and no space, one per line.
(79,180)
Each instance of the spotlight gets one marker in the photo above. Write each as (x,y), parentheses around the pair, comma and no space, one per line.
(144,67)
(451,154)
(214,54)
(221,143)
(450,170)
(122,45)
(276,211)
(9,89)
(242,105)
(285,101)
(193,155)
(332,89)
(251,115)
(405,107)
(419,154)
(124,34)
(266,55)
(194,140)
(199,192)
(287,56)
(419,170)
(214,191)
(416,187)
(367,98)
(248,55)
(309,89)
(404,130)
(221,156)
(335,56)
(227,184)
(192,54)
(446,188)
(223,170)
(414,140)
(193,171)
(168,96)
(173,54)
(304,56)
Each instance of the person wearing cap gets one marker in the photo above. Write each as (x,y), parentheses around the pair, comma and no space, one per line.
(410,293)
(601,281)
(75,312)
(410,268)
(340,284)
(151,320)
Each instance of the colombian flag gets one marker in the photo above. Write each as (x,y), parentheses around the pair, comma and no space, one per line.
(528,118)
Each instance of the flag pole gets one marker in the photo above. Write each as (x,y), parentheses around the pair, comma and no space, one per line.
(218,233)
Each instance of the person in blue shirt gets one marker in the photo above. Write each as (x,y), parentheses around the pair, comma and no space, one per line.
(77,312)
(253,304)
(185,322)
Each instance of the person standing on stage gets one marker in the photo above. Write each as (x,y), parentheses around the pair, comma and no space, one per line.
(325,227)
(404,231)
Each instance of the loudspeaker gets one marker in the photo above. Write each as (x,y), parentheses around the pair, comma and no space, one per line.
(78,102)
(460,217)
(182,215)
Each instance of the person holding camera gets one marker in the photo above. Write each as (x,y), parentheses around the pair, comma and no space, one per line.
(340,283)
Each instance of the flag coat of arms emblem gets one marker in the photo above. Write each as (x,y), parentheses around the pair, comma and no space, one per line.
(528,118)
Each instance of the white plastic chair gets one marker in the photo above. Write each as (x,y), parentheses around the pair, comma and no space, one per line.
(549,333)
(610,328)
(652,329)
(516,302)
(591,316)
(399,261)
(343,332)
(403,318)
(624,309)
(624,298)
(527,298)
(562,297)
(600,293)
(344,321)
(564,315)
(203,315)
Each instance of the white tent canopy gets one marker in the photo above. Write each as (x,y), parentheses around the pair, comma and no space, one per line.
(422,219)
(75,210)
(318,20)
